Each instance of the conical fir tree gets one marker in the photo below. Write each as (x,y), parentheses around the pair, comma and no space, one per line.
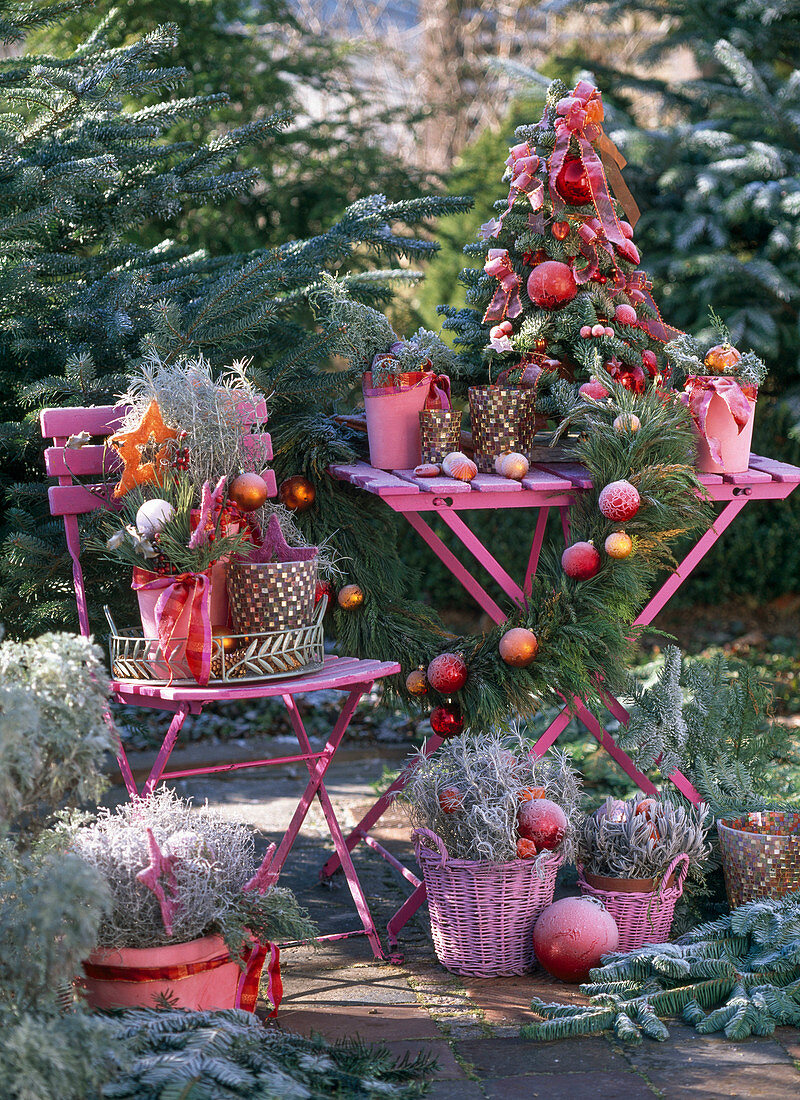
(561,291)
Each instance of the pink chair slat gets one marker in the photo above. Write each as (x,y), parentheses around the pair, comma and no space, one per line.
(493,483)
(77,500)
(93,459)
(569,471)
(446,485)
(542,481)
(259,444)
(97,420)
(379,482)
(272,485)
(710,479)
(778,471)
(747,477)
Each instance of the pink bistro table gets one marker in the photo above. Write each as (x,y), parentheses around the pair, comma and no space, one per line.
(547,486)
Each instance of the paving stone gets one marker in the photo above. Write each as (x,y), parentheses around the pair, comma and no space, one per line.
(447,1068)
(686,1047)
(570,1086)
(517,1057)
(377,1025)
(343,987)
(789,1038)
(740,1082)
(456,1090)
(505,1000)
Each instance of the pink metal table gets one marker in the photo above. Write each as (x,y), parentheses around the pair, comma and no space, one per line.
(548,485)
(70,499)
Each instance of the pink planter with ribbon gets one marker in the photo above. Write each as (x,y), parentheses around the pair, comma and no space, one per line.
(177,668)
(393,418)
(723,414)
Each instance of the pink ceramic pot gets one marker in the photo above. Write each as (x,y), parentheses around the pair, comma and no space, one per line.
(393,419)
(198,975)
(735,445)
(220,621)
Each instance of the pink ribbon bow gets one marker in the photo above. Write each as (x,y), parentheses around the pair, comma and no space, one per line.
(697,398)
(506,301)
(439,394)
(194,590)
(638,289)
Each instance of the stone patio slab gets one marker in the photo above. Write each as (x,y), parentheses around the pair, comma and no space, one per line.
(571,1086)
(518,1058)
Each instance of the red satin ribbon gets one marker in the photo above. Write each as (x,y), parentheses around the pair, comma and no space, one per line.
(697,396)
(638,289)
(439,395)
(193,589)
(506,300)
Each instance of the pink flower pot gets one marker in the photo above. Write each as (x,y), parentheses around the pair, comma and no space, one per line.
(393,419)
(734,444)
(198,975)
(219,612)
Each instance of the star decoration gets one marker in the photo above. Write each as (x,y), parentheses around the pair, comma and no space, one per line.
(160,868)
(142,450)
(274,546)
(263,878)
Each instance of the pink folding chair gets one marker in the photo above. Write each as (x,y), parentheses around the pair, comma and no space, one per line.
(70,499)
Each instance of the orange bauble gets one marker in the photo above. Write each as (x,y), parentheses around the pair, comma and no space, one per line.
(297,493)
(248,492)
(350,597)
(416,682)
(540,344)
(518,647)
(226,641)
(560,230)
(722,359)
(619,545)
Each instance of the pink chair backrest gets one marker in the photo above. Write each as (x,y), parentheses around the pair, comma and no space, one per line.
(70,499)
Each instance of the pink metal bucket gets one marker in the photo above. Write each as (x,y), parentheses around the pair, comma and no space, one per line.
(199,975)
(734,444)
(393,418)
(642,917)
(483,913)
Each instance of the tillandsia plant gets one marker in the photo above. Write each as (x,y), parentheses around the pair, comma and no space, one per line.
(471,790)
(640,838)
(176,873)
(689,360)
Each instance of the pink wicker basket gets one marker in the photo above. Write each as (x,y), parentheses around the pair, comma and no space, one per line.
(643,917)
(483,913)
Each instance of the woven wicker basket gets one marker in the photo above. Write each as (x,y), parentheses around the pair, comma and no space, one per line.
(503,419)
(271,596)
(642,917)
(440,433)
(760,855)
(483,913)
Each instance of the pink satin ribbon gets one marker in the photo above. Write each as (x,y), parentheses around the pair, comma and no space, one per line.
(697,397)
(176,592)
(506,301)
(439,395)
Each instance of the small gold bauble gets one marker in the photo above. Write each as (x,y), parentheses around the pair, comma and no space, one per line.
(722,358)
(627,422)
(618,545)
(223,637)
(248,492)
(539,344)
(297,493)
(518,647)
(416,682)
(514,466)
(350,597)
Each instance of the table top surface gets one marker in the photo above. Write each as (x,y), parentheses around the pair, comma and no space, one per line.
(766,478)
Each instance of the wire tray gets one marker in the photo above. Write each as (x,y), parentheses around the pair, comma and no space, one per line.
(272,656)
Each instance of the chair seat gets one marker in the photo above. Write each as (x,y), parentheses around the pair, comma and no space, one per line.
(337,674)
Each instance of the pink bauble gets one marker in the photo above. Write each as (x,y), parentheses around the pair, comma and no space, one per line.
(627,230)
(608,331)
(505,328)
(580,561)
(650,363)
(636,296)
(447,720)
(586,330)
(593,389)
(572,935)
(598,330)
(626,315)
(551,284)
(619,501)
(447,673)
(543,822)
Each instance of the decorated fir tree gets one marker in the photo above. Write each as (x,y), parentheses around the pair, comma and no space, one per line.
(561,291)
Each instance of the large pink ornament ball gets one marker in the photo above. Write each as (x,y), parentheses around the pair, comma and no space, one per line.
(571,935)
(580,561)
(619,501)
(543,822)
(552,284)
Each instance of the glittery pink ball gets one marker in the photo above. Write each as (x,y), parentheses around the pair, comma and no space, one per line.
(608,331)
(636,296)
(586,331)
(650,362)
(626,315)
(598,330)
(619,501)
(551,284)
(505,328)
(572,935)
(593,389)
(580,561)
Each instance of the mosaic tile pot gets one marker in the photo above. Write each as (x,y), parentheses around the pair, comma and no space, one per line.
(271,596)
(760,855)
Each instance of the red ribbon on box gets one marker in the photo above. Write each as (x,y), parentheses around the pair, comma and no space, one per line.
(698,394)
(194,590)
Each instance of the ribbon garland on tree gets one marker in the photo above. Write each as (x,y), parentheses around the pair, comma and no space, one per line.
(506,301)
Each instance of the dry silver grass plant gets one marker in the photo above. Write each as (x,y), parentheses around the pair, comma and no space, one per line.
(483,776)
(619,842)
(215,858)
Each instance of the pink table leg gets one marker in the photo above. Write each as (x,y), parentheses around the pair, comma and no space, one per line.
(565,523)
(448,558)
(166,750)
(122,757)
(536,549)
(479,551)
(405,913)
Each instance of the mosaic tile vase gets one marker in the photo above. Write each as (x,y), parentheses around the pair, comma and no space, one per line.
(760,855)
(271,596)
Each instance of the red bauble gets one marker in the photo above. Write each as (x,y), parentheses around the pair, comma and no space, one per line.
(552,284)
(619,501)
(625,314)
(571,935)
(543,822)
(627,229)
(580,561)
(572,182)
(650,362)
(560,230)
(447,673)
(632,378)
(629,252)
(324,588)
(447,720)
(593,389)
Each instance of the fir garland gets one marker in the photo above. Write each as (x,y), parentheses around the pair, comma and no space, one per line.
(739,975)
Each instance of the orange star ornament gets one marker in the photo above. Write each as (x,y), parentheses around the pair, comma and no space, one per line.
(142,450)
